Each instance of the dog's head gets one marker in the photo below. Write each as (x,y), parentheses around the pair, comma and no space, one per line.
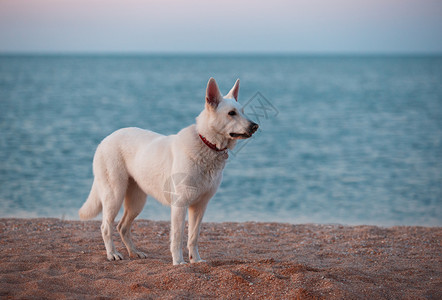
(224,115)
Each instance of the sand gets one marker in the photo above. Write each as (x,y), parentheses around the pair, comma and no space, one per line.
(56,259)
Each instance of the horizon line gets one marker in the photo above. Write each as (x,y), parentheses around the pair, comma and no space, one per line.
(223,53)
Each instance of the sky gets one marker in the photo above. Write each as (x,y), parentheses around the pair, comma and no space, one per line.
(194,26)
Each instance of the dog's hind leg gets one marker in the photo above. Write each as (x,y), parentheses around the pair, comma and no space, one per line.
(133,205)
(112,199)
(109,215)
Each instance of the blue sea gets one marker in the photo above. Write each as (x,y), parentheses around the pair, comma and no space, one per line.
(342,139)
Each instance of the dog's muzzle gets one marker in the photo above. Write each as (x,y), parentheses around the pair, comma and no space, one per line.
(253,127)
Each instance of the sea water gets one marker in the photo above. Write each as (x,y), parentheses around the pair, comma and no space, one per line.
(352,140)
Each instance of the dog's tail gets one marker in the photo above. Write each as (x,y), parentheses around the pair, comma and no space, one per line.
(92,207)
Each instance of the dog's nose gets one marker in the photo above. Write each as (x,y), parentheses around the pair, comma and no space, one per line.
(253,127)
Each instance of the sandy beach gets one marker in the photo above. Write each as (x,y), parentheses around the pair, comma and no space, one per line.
(57,259)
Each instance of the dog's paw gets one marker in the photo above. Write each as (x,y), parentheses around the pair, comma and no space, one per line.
(197,261)
(138,254)
(114,256)
(177,263)
(195,257)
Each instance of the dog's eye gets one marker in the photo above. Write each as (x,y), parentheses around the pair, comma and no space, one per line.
(232,113)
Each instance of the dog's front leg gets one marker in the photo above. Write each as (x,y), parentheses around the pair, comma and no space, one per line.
(178,216)
(196,213)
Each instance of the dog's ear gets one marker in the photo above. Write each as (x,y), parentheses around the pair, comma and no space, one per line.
(213,96)
(234,91)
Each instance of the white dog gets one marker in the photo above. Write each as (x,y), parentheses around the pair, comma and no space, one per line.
(182,171)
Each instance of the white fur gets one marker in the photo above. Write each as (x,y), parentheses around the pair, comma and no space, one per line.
(178,170)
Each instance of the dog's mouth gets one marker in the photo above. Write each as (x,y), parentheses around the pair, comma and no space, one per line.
(251,130)
(240,135)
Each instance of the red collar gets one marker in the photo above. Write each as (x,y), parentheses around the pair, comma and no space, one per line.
(210,145)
